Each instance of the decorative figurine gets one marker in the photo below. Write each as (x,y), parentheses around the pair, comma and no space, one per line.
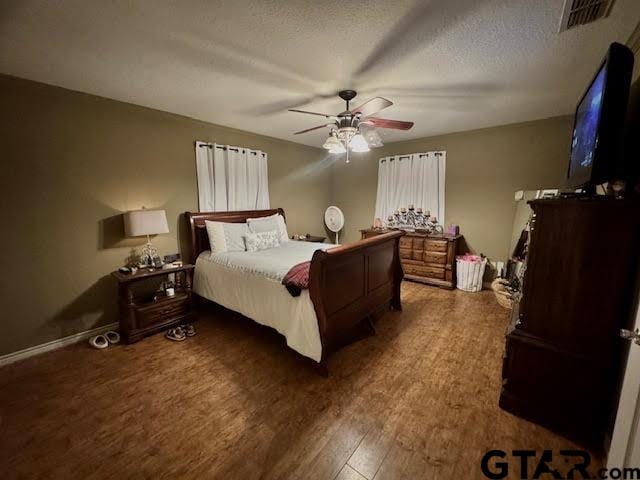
(414,219)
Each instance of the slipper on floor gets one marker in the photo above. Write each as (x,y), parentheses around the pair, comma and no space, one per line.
(99,342)
(112,337)
(176,334)
(189,330)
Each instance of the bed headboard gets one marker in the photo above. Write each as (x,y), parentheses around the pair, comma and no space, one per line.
(199,238)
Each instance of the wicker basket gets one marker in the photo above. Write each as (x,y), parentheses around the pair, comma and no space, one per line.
(502,295)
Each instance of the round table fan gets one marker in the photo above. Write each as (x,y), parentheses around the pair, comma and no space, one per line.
(334,219)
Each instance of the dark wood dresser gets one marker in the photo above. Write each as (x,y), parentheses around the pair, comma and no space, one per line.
(426,258)
(563,355)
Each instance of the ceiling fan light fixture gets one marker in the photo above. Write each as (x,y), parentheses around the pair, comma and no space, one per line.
(337,149)
(354,130)
(373,138)
(361,149)
(359,144)
(332,141)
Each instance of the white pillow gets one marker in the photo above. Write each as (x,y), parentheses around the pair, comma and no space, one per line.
(226,237)
(267,224)
(262,240)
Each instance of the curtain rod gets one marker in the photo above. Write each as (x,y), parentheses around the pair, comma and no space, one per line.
(437,154)
(210,145)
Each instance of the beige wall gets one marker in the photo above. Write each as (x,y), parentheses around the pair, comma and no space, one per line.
(484,169)
(72,163)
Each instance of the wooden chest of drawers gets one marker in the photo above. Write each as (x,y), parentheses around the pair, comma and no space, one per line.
(426,258)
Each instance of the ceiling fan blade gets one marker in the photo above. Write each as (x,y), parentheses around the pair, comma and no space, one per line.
(373,106)
(386,123)
(312,129)
(311,113)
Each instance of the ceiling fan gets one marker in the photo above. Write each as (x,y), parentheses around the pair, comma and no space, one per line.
(355,130)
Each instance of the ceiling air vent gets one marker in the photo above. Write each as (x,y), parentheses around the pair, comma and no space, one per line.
(581,12)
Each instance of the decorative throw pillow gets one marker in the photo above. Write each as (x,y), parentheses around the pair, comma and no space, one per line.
(266,224)
(226,237)
(262,240)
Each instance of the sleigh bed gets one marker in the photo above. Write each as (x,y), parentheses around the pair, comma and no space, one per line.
(347,284)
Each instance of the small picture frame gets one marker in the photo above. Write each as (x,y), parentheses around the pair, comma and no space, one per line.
(156,261)
(171,258)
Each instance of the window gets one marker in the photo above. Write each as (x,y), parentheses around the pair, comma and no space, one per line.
(231,178)
(415,179)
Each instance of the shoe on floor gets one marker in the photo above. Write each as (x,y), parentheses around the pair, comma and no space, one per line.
(176,334)
(99,342)
(189,330)
(112,337)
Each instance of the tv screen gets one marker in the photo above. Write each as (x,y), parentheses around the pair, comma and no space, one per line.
(585,132)
(596,147)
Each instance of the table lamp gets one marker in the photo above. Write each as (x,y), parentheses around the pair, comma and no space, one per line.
(138,223)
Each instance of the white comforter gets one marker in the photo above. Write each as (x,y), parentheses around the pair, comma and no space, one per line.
(250,283)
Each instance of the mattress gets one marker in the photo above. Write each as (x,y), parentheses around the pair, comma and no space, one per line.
(250,283)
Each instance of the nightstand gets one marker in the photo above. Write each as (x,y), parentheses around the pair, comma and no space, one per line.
(142,315)
(311,238)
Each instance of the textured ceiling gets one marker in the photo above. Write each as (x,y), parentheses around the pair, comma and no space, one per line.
(449,65)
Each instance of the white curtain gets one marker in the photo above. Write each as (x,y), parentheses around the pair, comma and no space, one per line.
(416,179)
(231,178)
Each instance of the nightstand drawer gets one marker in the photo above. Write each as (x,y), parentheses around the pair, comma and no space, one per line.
(161,312)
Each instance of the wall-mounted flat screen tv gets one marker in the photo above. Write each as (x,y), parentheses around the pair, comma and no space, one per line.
(596,147)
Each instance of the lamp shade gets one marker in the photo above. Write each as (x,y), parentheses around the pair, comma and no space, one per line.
(145,222)
(372,137)
(359,144)
(332,143)
(339,148)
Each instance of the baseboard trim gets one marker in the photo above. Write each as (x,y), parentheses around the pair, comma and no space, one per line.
(54,344)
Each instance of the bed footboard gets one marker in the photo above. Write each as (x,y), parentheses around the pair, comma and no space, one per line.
(349,283)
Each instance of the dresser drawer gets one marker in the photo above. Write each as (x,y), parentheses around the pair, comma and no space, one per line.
(406,254)
(415,243)
(424,271)
(417,252)
(406,242)
(411,248)
(435,257)
(162,312)
(432,245)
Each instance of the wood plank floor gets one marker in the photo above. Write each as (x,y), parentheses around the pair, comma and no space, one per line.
(417,400)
